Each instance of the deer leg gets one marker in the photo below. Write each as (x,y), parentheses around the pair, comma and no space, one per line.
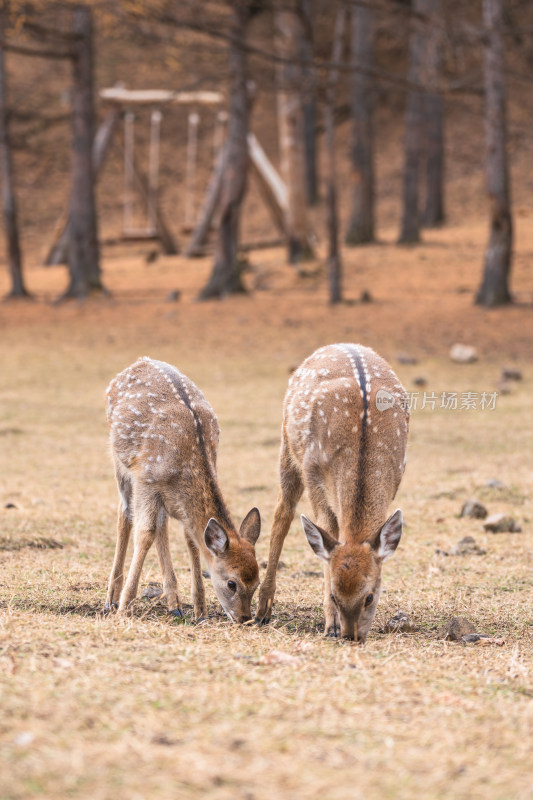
(291,489)
(145,514)
(326,519)
(124,523)
(170,582)
(197,583)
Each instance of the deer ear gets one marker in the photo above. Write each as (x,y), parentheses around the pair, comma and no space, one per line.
(321,542)
(389,536)
(251,526)
(216,538)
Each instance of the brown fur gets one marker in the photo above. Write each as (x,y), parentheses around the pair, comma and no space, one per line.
(164,437)
(350,456)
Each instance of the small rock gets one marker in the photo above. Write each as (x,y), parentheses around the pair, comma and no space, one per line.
(173,296)
(405,358)
(366,297)
(152,256)
(463,354)
(164,740)
(399,623)
(457,628)
(152,591)
(23,739)
(501,523)
(10,505)
(511,374)
(473,509)
(494,483)
(420,380)
(467,547)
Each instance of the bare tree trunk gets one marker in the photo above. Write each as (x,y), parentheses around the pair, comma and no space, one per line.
(84,262)
(309,105)
(9,202)
(226,275)
(334,256)
(289,37)
(410,231)
(494,289)
(434,116)
(361,225)
(59,251)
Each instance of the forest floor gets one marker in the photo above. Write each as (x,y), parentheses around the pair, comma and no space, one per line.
(146,707)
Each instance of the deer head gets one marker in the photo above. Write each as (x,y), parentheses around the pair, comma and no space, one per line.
(355,572)
(233,568)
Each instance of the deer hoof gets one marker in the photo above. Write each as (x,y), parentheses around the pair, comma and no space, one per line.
(262,620)
(110,607)
(176,612)
(332,632)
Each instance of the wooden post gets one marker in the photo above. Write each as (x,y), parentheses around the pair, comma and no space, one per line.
(84,261)
(190,174)
(219,134)
(153,169)
(129,145)
(9,201)
(170,247)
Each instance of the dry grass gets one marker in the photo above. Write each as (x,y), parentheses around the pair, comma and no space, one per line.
(149,708)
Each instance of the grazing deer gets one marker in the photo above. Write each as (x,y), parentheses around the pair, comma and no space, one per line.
(344,437)
(164,437)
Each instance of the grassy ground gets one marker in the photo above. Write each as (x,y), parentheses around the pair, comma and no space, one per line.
(150,708)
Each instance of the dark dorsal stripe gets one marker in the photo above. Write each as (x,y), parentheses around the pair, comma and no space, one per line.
(178,379)
(361,469)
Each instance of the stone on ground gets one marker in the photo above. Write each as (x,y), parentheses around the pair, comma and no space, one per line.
(501,523)
(473,509)
(463,354)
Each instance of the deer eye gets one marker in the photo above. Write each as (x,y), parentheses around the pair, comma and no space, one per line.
(232,586)
(368,600)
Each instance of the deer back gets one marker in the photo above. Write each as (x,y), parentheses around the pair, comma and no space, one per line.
(346,421)
(162,428)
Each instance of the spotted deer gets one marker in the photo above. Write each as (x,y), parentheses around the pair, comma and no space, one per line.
(164,437)
(344,438)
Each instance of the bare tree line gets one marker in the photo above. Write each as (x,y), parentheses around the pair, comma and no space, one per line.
(303,76)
